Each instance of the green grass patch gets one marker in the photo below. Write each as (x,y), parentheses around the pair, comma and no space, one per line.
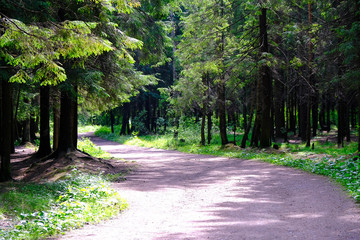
(328,148)
(336,162)
(86,145)
(88,128)
(42,210)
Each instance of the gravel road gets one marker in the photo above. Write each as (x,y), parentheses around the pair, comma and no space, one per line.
(174,195)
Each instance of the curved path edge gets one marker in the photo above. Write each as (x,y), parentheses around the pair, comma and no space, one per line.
(174,195)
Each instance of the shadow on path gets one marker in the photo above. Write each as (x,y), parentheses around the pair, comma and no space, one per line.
(174,195)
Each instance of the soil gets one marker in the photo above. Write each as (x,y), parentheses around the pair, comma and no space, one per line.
(175,195)
(28,168)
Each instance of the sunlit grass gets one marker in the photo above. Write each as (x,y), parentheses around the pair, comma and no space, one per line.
(88,128)
(328,148)
(86,145)
(41,210)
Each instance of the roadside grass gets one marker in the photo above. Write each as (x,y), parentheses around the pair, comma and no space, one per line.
(86,145)
(40,210)
(340,164)
(88,128)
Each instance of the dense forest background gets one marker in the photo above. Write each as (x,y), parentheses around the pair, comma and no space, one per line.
(268,69)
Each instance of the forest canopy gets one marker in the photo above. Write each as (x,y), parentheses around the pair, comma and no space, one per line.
(269,69)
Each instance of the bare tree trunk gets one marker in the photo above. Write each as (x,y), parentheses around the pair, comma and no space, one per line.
(247,130)
(74,116)
(112,120)
(56,127)
(125,119)
(359,119)
(203,121)
(66,134)
(6,130)
(222,112)
(308,110)
(209,126)
(45,147)
(221,101)
(266,87)
(26,132)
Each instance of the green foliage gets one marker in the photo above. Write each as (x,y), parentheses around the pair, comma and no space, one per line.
(40,46)
(43,210)
(87,128)
(86,145)
(345,170)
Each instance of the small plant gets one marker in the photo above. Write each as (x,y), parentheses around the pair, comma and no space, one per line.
(59,206)
(86,145)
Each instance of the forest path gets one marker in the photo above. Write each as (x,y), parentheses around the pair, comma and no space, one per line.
(174,195)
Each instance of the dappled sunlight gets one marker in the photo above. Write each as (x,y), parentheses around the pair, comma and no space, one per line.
(304,215)
(173,195)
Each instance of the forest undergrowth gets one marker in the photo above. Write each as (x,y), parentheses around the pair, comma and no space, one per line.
(37,210)
(325,157)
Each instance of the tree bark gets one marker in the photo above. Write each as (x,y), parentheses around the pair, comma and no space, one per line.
(34,127)
(6,130)
(209,126)
(26,132)
(315,113)
(279,109)
(112,120)
(125,119)
(247,130)
(309,95)
(341,122)
(67,124)
(221,95)
(359,119)
(222,112)
(266,87)
(45,147)
(203,121)
(56,126)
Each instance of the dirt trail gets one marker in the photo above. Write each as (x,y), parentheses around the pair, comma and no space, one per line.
(173,195)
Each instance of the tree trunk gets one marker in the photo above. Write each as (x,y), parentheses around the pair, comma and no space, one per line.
(322,117)
(247,130)
(34,127)
(309,96)
(56,126)
(221,98)
(222,112)
(125,119)
(328,115)
(209,125)
(359,119)
(66,134)
(292,113)
(45,147)
(315,114)
(266,87)
(302,113)
(74,116)
(6,130)
(203,121)
(26,132)
(279,109)
(341,122)
(112,120)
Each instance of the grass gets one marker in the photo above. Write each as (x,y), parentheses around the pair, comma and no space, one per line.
(42,210)
(87,128)
(37,211)
(340,164)
(86,145)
